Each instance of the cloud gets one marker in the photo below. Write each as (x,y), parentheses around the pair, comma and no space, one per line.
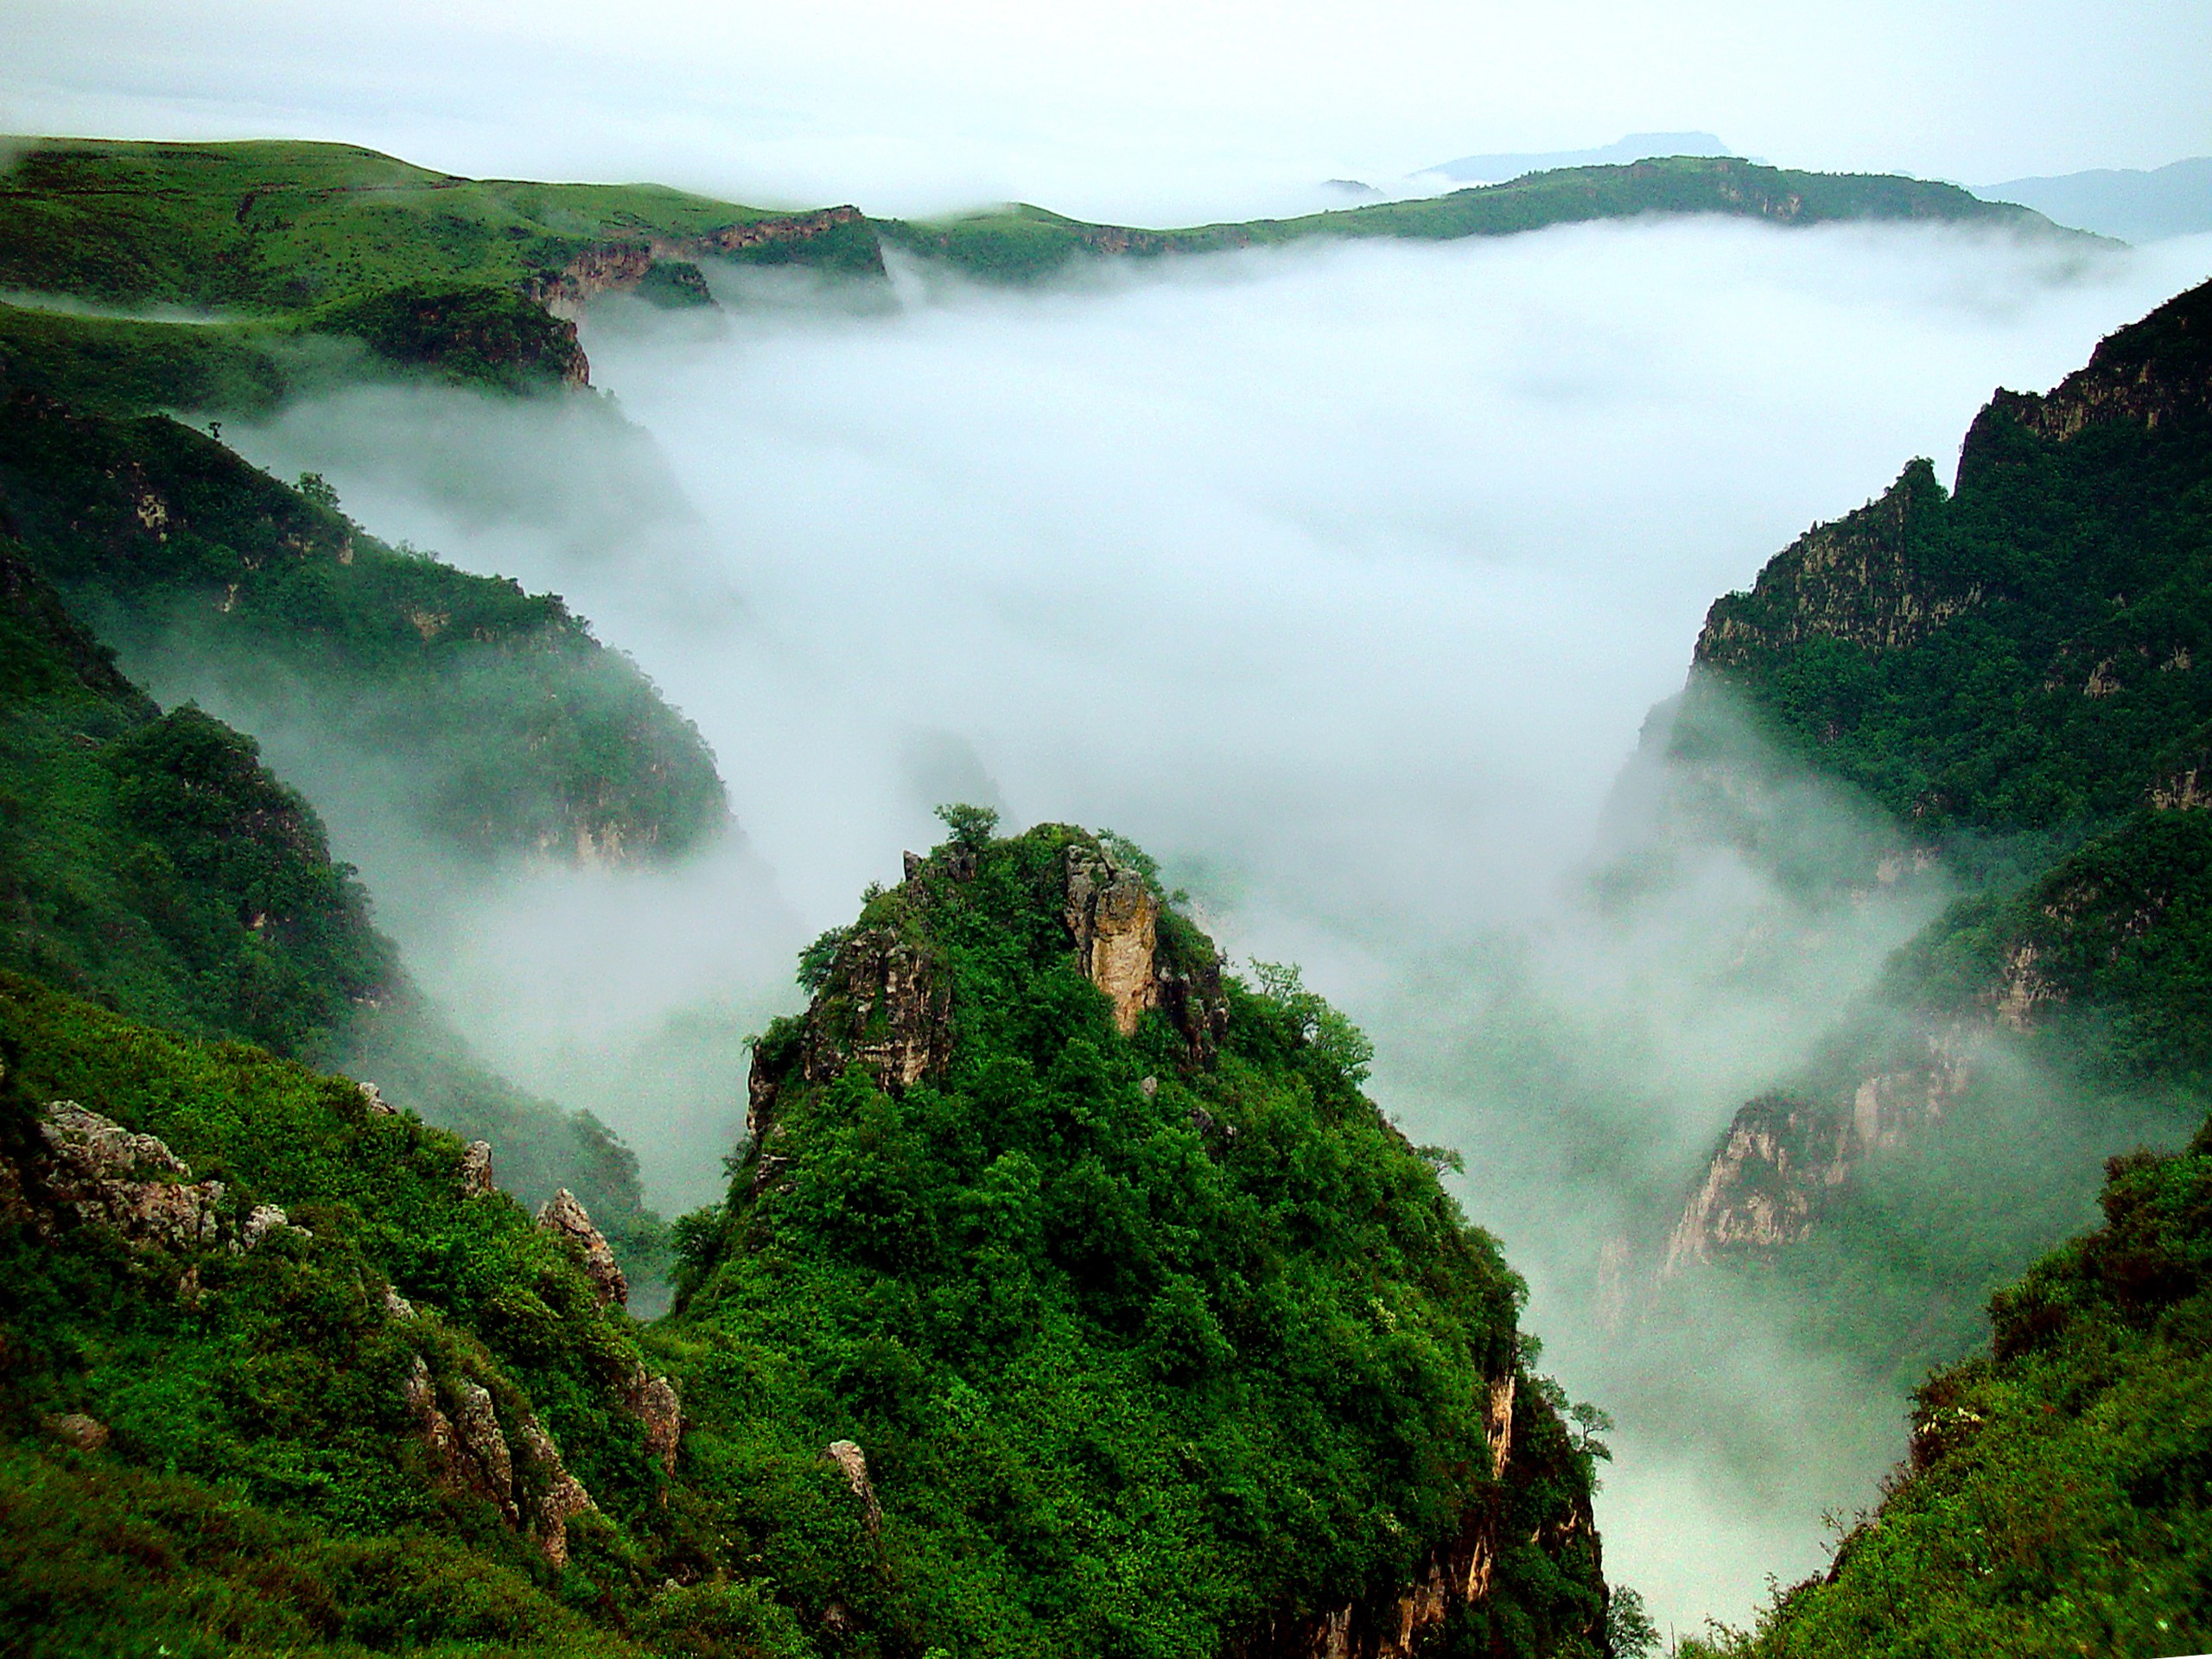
(1341,578)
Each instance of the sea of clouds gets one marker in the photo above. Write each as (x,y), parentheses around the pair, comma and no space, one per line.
(1343,579)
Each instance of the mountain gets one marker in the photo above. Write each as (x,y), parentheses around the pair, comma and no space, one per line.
(2125,202)
(1638,146)
(2013,671)
(1069,1297)
(1022,242)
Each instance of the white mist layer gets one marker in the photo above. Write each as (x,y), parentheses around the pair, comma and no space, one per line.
(1340,578)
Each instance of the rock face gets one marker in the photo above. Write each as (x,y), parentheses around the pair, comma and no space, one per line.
(887,1008)
(564,1218)
(475,1175)
(1782,1155)
(850,1459)
(97,1171)
(1115,921)
(1854,581)
(2152,372)
(468,1451)
(625,267)
(653,1401)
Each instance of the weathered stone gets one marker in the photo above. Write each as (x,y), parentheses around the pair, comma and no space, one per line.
(848,1458)
(475,1177)
(75,1428)
(396,1305)
(563,1497)
(886,1008)
(261,1221)
(1115,919)
(563,1218)
(374,1100)
(432,1427)
(97,1171)
(653,1401)
(488,1465)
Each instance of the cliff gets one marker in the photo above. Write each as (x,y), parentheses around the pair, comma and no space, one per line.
(517,730)
(1030,1150)
(2015,672)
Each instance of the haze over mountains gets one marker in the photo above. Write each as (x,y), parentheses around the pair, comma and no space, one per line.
(2130,203)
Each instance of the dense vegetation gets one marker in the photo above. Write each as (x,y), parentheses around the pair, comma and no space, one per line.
(2059,1495)
(289,240)
(148,862)
(518,729)
(1150,1346)
(264,1482)
(1021,243)
(2017,672)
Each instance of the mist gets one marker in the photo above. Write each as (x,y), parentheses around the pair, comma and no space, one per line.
(1344,580)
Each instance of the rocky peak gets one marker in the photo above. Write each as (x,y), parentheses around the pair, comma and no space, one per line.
(1854,581)
(563,1218)
(2152,372)
(1115,920)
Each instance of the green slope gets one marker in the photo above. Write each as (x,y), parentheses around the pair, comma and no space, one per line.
(149,862)
(517,729)
(1156,1336)
(2016,671)
(1022,242)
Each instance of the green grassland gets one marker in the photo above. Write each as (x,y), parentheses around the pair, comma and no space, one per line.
(1022,242)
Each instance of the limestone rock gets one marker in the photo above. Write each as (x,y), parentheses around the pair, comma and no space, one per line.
(848,1458)
(261,1221)
(374,1100)
(486,1465)
(563,1497)
(97,1171)
(886,1007)
(432,1427)
(563,1218)
(75,1428)
(396,1305)
(1115,920)
(653,1401)
(476,1169)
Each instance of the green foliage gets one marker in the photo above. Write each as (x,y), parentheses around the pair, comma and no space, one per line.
(815,959)
(260,1437)
(970,827)
(1141,1352)
(1020,243)
(515,729)
(475,335)
(2057,1501)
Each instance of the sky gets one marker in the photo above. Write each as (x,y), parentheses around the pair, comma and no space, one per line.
(1153,111)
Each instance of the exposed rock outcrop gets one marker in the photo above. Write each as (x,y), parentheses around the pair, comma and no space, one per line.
(468,1451)
(2153,372)
(887,1007)
(475,1174)
(86,1433)
(1855,580)
(853,1463)
(563,1218)
(96,1171)
(624,267)
(1782,1155)
(654,1402)
(561,1496)
(1115,920)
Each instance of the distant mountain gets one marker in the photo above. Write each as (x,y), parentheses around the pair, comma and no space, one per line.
(1638,146)
(2126,203)
(1020,243)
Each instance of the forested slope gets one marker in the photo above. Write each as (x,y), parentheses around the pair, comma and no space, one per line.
(2017,670)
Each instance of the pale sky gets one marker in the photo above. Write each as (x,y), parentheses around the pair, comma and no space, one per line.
(1155,110)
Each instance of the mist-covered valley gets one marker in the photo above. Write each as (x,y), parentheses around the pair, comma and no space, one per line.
(1343,579)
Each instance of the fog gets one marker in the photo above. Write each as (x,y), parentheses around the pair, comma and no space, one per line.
(1343,579)
(1153,112)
